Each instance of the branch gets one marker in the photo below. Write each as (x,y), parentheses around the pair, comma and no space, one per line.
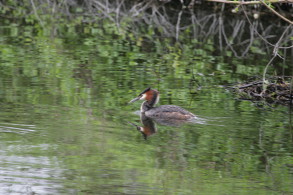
(36,13)
(259,2)
(250,2)
(275,53)
(287,20)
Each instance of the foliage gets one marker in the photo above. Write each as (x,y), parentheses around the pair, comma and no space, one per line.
(64,88)
(164,19)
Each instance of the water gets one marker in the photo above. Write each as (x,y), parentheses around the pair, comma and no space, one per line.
(64,121)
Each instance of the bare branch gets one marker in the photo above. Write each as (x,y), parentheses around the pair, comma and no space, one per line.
(250,2)
(274,11)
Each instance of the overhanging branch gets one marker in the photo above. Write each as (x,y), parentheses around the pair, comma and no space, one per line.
(259,2)
(251,2)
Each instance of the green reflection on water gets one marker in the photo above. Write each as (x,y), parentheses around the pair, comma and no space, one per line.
(63,120)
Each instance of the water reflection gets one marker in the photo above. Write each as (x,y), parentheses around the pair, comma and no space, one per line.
(83,73)
(149,128)
(71,96)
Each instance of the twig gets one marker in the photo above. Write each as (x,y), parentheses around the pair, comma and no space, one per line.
(250,2)
(36,13)
(275,53)
(222,31)
(274,11)
(251,39)
(265,71)
(250,84)
(265,40)
(291,94)
(178,25)
(258,2)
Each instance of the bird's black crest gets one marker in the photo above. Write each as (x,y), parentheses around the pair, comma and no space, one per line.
(146,90)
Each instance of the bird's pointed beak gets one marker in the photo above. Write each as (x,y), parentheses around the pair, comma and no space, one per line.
(134,100)
(137,127)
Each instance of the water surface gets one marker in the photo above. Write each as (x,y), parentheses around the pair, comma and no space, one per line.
(64,120)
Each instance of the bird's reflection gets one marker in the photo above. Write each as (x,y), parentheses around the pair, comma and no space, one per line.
(149,128)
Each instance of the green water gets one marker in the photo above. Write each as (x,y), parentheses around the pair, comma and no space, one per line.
(64,118)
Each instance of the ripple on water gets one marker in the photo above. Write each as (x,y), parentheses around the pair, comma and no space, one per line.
(21,170)
(20,174)
(16,128)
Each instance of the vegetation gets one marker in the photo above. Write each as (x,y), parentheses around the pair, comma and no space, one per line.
(159,26)
(275,91)
(69,67)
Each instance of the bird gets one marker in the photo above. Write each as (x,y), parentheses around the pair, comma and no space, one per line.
(151,97)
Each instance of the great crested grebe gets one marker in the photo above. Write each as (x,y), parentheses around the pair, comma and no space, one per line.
(151,97)
(148,127)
